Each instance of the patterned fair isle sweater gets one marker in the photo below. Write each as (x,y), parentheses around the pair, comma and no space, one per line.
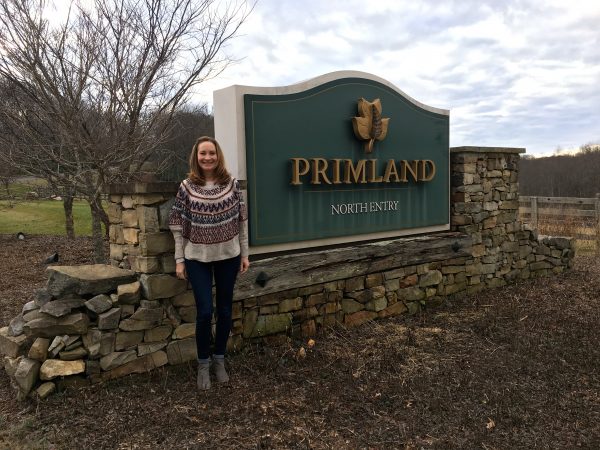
(210,222)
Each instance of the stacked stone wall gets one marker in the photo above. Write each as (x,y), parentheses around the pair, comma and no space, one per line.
(94,323)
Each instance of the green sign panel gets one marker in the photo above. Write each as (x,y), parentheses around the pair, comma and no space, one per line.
(323,163)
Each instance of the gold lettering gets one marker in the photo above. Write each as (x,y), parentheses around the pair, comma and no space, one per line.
(373,178)
(336,171)
(390,169)
(404,164)
(296,171)
(424,176)
(319,166)
(357,172)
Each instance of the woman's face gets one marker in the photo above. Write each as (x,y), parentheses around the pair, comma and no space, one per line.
(207,157)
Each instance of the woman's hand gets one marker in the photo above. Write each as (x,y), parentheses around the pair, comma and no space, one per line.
(244,264)
(180,271)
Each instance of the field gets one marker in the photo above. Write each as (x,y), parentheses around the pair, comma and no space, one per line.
(515,367)
(43,217)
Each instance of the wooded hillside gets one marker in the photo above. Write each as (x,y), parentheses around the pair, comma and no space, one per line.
(575,175)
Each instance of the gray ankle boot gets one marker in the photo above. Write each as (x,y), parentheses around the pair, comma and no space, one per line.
(203,374)
(219,368)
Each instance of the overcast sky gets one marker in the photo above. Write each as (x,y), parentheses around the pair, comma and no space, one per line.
(516,73)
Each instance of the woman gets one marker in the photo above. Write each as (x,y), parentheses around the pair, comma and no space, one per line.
(209,223)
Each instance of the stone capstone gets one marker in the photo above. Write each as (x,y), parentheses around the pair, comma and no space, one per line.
(52,368)
(86,279)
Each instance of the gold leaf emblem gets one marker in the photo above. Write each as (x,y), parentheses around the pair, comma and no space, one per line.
(370,126)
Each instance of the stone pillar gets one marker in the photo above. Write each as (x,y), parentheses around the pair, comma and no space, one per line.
(140,239)
(485,204)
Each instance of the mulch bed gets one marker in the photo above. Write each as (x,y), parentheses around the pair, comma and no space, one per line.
(515,367)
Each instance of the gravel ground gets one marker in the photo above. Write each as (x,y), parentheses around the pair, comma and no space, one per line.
(515,367)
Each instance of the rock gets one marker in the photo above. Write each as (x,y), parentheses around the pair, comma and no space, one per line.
(185,330)
(60,308)
(127,311)
(159,286)
(184,299)
(37,314)
(430,278)
(12,346)
(249,322)
(99,304)
(188,314)
(126,339)
(29,306)
(72,324)
(92,367)
(147,314)
(52,368)
(117,359)
(42,297)
(172,314)
(181,351)
(350,306)
(144,349)
(72,343)
(272,324)
(138,365)
(159,333)
(152,244)
(107,343)
(86,279)
(46,389)
(15,327)
(136,325)
(290,304)
(26,375)
(150,304)
(56,346)
(11,364)
(377,304)
(110,319)
(393,310)
(39,349)
(129,294)
(72,355)
(358,318)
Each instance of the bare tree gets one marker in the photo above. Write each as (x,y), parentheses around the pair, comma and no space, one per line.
(95,95)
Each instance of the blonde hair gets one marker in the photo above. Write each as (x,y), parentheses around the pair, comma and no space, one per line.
(196,174)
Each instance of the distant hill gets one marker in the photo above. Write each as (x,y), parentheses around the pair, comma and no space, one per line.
(576,175)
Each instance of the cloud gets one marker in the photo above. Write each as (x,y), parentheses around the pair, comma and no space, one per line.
(518,73)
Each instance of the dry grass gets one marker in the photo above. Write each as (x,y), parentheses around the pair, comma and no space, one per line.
(515,367)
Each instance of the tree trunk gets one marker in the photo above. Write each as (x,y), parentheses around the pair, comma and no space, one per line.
(68,207)
(97,235)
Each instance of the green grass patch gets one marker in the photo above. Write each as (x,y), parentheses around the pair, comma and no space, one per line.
(43,217)
(20,188)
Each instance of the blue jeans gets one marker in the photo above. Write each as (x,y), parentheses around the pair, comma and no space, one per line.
(200,275)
